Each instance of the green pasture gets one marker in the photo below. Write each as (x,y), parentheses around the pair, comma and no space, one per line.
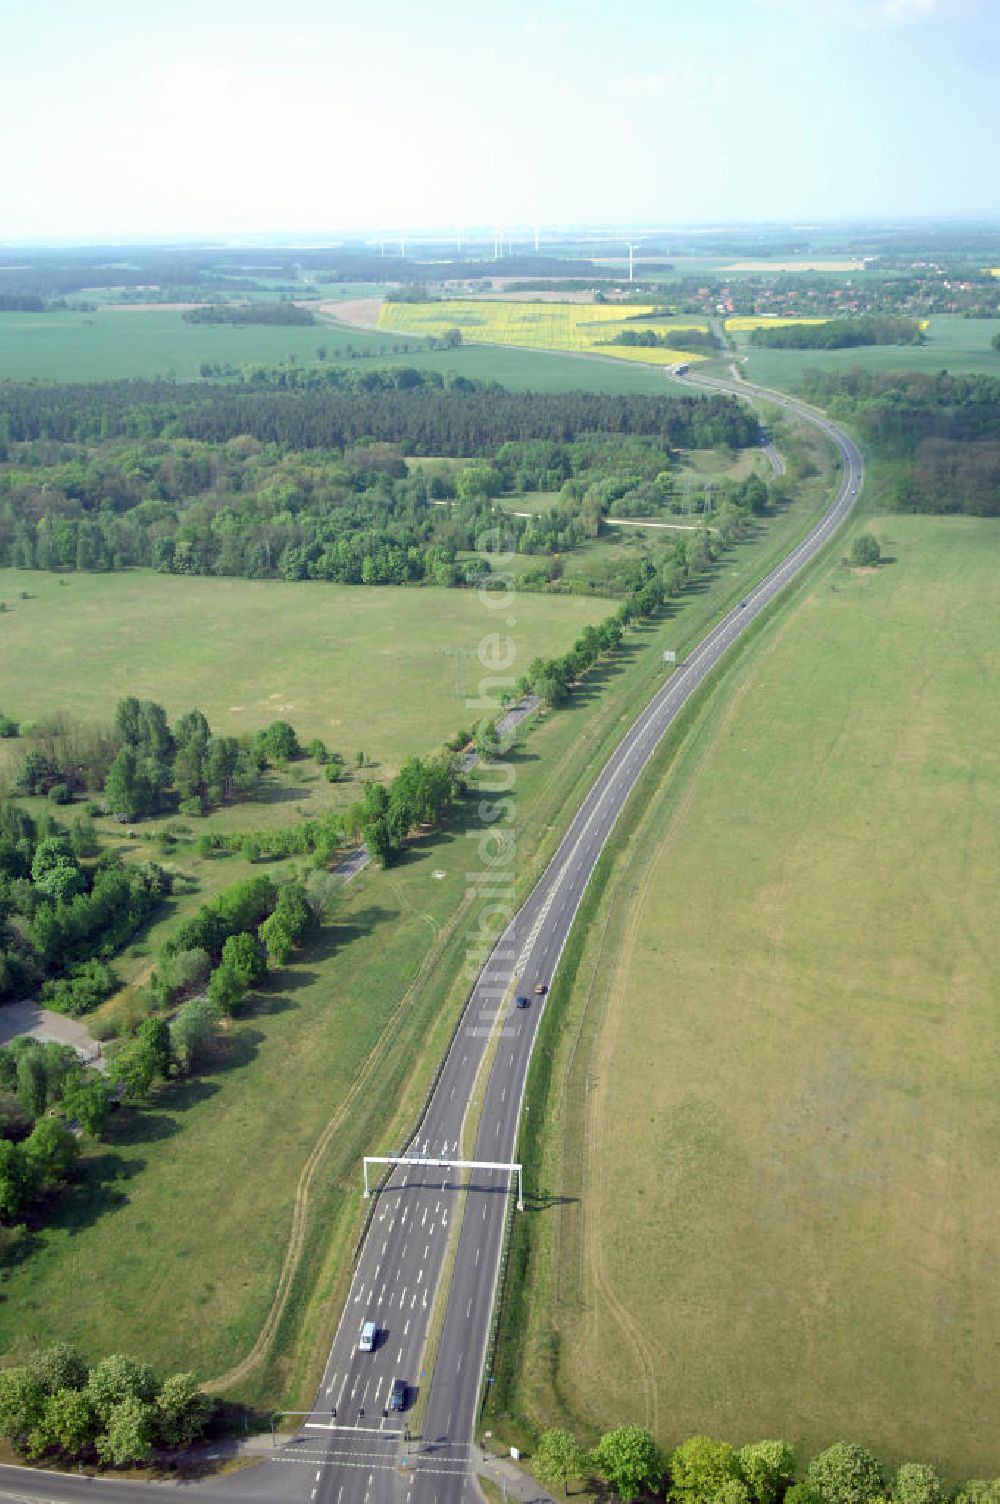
(111,343)
(383,670)
(953,344)
(769,1162)
(114,343)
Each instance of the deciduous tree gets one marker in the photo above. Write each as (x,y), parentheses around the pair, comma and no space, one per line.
(630,1460)
(844,1474)
(559,1457)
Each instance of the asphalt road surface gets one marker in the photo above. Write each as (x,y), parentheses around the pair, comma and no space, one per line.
(353,1450)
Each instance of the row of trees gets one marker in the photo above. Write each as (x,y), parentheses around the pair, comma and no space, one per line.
(703,1471)
(700,341)
(115,1412)
(841,334)
(419,795)
(260,312)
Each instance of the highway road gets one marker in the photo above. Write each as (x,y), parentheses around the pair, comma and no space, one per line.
(351,1451)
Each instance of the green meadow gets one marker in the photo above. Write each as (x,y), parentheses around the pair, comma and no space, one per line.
(770,1145)
(118,342)
(382,670)
(953,344)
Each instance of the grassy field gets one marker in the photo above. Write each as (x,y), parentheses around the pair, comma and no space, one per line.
(191,1212)
(769,1163)
(953,344)
(583,328)
(121,342)
(115,343)
(249,651)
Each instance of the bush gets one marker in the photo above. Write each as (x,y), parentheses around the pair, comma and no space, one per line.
(698,1469)
(193,1031)
(277,742)
(84,989)
(52,1405)
(916,1483)
(844,1474)
(767,1468)
(865,552)
(8,727)
(60,793)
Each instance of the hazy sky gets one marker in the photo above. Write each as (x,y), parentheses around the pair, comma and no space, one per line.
(147,117)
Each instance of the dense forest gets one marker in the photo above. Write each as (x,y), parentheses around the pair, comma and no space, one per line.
(21,302)
(939,434)
(414,409)
(698,340)
(841,334)
(358,515)
(259,312)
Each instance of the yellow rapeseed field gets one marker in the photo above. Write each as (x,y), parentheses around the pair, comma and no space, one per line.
(744,321)
(581,328)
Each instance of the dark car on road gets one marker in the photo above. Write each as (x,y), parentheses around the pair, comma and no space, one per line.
(397,1395)
(524,1002)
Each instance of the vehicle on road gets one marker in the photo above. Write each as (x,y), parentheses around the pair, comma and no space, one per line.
(397,1395)
(540,989)
(369,1337)
(743,605)
(523,1002)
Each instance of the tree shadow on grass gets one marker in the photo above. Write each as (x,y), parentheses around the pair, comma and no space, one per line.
(334,937)
(234,1049)
(279,793)
(132,1126)
(97,1187)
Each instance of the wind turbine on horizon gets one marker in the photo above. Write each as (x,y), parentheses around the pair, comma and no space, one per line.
(631,248)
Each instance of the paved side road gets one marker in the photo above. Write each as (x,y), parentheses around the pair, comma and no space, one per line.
(29,1017)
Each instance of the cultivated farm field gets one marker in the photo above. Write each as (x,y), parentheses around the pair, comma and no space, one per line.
(383,670)
(769,1165)
(582,328)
